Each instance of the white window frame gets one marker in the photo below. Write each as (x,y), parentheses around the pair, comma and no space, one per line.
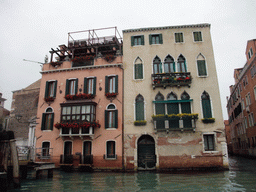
(194,38)
(182,38)
(215,142)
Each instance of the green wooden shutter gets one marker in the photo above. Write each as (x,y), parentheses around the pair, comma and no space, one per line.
(85,85)
(46,90)
(160,108)
(67,87)
(43,122)
(76,86)
(116,85)
(138,70)
(106,119)
(173,108)
(201,67)
(94,85)
(150,39)
(160,68)
(142,40)
(52,120)
(185,66)
(160,39)
(132,40)
(106,84)
(116,118)
(185,107)
(55,89)
(207,111)
(139,110)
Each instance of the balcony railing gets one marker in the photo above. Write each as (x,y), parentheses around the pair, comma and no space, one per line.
(176,123)
(86,159)
(171,79)
(44,154)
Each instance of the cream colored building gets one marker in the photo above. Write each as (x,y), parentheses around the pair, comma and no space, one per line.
(172,109)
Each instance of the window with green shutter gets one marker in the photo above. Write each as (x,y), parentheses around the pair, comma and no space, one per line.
(137,40)
(169,64)
(47,119)
(50,89)
(111,117)
(155,39)
(181,65)
(201,65)
(111,84)
(178,37)
(71,86)
(138,69)
(197,36)
(159,107)
(209,143)
(139,108)
(157,65)
(206,105)
(90,85)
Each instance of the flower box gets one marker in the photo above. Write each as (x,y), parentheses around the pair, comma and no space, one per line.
(76,125)
(111,94)
(208,120)
(109,58)
(83,58)
(79,96)
(49,99)
(140,123)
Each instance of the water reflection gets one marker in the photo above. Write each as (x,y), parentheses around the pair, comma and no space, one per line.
(240,177)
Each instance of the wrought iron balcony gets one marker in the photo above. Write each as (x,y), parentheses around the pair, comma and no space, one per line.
(171,79)
(179,122)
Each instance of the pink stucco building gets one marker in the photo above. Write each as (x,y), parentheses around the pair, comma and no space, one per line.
(80,103)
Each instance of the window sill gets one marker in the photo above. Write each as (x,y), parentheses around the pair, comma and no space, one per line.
(211,152)
(46,130)
(111,129)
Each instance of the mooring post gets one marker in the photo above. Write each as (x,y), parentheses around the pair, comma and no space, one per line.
(15,163)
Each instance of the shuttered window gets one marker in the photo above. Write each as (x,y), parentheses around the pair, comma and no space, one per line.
(209,142)
(71,86)
(197,36)
(201,68)
(139,108)
(138,70)
(178,37)
(206,105)
(50,89)
(111,84)
(137,40)
(155,39)
(90,85)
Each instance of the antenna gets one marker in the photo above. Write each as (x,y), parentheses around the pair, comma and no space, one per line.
(32,61)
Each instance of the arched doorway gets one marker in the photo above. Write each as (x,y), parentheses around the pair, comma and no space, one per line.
(146,153)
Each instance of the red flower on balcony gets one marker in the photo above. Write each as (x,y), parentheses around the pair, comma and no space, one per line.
(109,58)
(49,99)
(76,125)
(111,94)
(83,58)
(79,96)
(187,78)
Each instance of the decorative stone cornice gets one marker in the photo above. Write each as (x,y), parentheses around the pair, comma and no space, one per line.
(83,68)
(167,27)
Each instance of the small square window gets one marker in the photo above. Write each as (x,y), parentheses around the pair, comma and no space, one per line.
(137,40)
(178,37)
(155,39)
(197,36)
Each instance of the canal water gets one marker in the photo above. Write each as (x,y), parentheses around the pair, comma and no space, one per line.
(240,177)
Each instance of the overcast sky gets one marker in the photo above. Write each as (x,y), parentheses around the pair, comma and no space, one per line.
(30,28)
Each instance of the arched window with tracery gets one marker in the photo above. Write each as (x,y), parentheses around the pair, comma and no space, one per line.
(138,69)
(206,105)
(169,64)
(201,65)
(159,107)
(157,65)
(181,64)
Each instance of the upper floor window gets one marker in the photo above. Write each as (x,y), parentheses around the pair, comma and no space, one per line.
(78,113)
(172,108)
(155,39)
(71,86)
(90,85)
(248,99)
(111,117)
(137,40)
(250,53)
(206,105)
(139,108)
(181,65)
(159,107)
(197,36)
(157,65)
(178,37)
(47,119)
(201,65)
(50,89)
(169,64)
(138,69)
(111,84)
